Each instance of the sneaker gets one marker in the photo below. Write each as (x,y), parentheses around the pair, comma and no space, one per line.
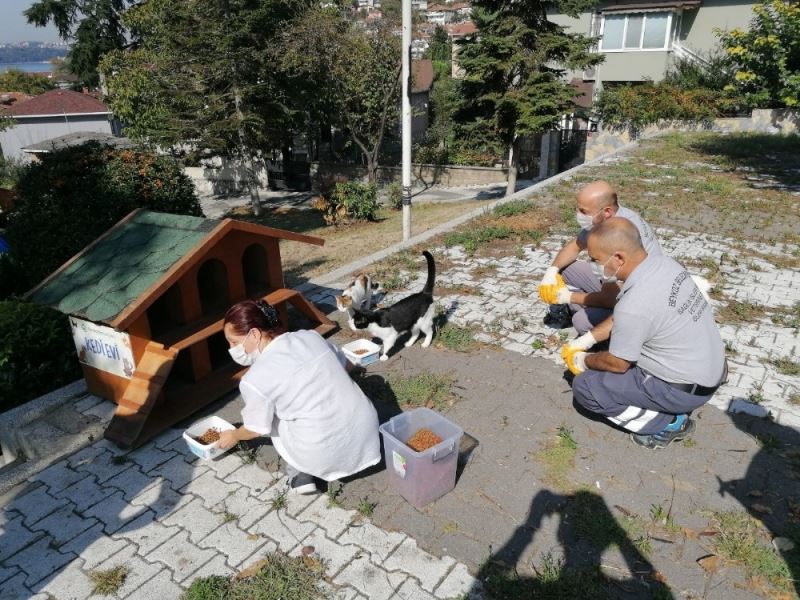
(303,483)
(681,427)
(558,317)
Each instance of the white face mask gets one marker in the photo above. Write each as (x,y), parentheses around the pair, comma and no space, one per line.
(241,356)
(586,221)
(600,271)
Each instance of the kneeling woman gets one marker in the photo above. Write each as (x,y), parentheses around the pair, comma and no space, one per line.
(299,393)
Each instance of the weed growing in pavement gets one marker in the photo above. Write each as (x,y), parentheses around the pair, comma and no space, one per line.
(276,577)
(756,396)
(432,390)
(365,507)
(740,312)
(108,581)
(744,540)
(279,501)
(395,280)
(794,398)
(334,492)
(594,522)
(227,517)
(730,348)
(787,316)
(455,337)
(663,518)
(770,443)
(689,443)
(246,453)
(565,433)
(558,458)
(537,344)
(482,271)
(785,366)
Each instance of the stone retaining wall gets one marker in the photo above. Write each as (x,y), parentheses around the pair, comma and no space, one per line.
(784,121)
(421,174)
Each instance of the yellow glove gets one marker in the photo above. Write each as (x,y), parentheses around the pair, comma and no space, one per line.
(549,293)
(574,358)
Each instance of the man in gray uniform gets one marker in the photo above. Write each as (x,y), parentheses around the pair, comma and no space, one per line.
(589,302)
(666,357)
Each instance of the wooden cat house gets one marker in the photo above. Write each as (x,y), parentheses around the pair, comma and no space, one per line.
(146,301)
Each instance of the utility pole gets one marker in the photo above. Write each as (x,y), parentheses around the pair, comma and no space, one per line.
(406,123)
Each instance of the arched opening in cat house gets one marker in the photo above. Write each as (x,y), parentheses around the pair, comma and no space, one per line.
(166,313)
(255,269)
(212,286)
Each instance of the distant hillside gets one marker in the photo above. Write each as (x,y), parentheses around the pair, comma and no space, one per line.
(20,55)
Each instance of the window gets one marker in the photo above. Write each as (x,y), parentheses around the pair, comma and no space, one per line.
(641,31)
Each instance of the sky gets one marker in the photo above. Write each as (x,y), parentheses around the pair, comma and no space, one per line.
(14,27)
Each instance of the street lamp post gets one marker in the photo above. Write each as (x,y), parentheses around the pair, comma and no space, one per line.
(406,123)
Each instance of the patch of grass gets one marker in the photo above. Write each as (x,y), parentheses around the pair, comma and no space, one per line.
(108,581)
(433,390)
(482,270)
(227,517)
(785,366)
(395,280)
(365,507)
(277,577)
(334,494)
(471,239)
(455,337)
(743,540)
(553,580)
(594,522)
(558,459)
(787,316)
(537,344)
(736,311)
(513,208)
(689,443)
(279,501)
(246,453)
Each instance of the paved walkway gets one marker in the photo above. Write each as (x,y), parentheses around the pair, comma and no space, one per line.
(171,518)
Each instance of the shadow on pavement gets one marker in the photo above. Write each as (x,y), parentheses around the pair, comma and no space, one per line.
(586,530)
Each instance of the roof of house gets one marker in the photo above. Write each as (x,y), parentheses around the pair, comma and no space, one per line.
(58,102)
(638,5)
(461,29)
(421,75)
(76,139)
(116,277)
(10,98)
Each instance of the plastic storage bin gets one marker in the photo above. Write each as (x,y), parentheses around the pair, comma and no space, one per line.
(421,477)
(206,451)
(365,358)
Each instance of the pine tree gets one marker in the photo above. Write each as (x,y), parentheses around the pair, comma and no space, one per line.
(514,68)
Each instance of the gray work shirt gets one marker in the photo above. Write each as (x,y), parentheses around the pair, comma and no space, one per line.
(646,232)
(664,324)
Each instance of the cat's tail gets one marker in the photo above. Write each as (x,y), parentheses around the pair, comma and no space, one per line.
(428,289)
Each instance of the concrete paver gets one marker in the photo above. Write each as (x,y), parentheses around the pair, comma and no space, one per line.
(170,517)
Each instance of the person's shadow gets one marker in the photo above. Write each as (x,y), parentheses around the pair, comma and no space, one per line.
(586,530)
(770,490)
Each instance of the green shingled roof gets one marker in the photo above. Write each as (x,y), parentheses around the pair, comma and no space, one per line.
(103,281)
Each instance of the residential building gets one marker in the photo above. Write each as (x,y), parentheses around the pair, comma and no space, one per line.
(50,115)
(421,84)
(421,5)
(439,14)
(640,39)
(455,32)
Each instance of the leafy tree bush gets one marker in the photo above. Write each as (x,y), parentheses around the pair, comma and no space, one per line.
(395,193)
(348,201)
(74,195)
(431,154)
(37,353)
(633,107)
(713,72)
(15,80)
(767,56)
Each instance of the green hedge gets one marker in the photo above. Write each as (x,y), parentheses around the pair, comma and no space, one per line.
(74,195)
(37,354)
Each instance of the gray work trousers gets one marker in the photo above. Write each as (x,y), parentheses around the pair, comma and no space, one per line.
(579,275)
(634,400)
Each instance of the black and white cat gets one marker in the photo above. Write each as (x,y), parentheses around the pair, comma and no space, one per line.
(357,296)
(413,313)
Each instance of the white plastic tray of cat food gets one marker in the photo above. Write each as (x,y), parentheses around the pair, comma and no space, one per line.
(206,451)
(361,352)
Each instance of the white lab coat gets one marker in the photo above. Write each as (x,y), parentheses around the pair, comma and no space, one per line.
(320,421)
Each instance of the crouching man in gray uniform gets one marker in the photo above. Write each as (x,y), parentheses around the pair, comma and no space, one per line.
(666,357)
(577,296)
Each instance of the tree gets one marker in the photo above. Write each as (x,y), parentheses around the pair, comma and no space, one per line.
(514,71)
(202,76)
(27,83)
(767,56)
(94,26)
(356,73)
(440,48)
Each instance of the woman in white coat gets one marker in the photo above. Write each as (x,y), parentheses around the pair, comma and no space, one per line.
(299,393)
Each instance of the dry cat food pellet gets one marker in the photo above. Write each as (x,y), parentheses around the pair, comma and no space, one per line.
(423,439)
(360,351)
(209,437)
